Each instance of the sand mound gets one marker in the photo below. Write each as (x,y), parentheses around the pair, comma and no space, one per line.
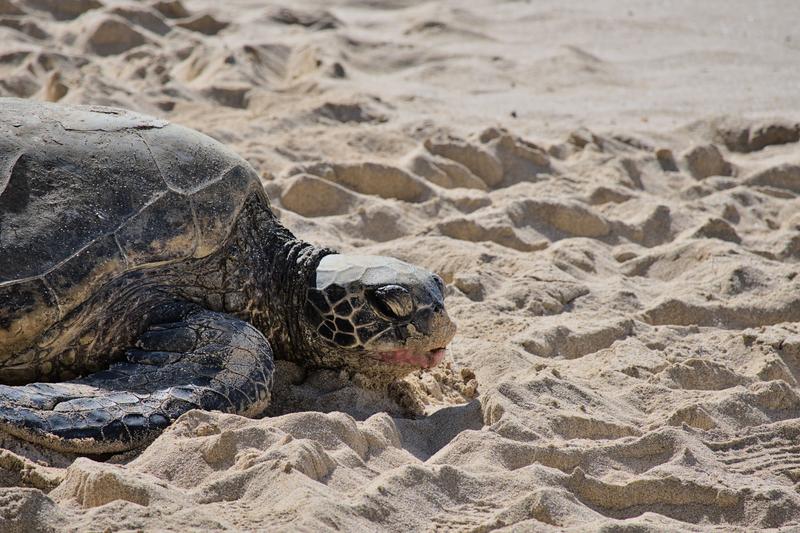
(606,192)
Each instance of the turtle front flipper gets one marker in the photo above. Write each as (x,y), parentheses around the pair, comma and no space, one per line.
(204,360)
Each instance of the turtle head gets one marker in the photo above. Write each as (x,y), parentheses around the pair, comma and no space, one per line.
(377,313)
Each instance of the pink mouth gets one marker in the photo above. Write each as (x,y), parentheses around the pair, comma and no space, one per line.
(407,357)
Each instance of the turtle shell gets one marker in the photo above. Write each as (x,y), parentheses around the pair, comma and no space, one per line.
(88,193)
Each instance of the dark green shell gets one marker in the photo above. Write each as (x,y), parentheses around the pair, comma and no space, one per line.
(89,193)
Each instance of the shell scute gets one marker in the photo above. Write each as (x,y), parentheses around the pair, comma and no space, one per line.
(187,159)
(73,281)
(60,196)
(217,205)
(162,231)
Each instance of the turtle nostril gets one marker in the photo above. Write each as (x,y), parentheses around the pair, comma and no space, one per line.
(424,315)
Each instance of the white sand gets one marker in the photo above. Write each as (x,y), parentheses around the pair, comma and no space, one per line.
(610,190)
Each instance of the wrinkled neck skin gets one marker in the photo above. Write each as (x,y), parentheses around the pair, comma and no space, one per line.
(267,273)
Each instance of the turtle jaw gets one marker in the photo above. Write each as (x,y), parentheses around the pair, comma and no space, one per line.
(425,351)
(406,357)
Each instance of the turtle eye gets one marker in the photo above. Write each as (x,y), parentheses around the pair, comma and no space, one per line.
(393,301)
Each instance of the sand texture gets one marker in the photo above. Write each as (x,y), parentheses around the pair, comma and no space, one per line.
(610,189)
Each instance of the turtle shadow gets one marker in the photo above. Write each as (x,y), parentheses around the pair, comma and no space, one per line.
(422,435)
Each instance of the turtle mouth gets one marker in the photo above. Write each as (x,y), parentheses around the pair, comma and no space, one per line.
(428,359)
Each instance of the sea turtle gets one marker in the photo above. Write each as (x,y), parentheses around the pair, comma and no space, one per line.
(143,273)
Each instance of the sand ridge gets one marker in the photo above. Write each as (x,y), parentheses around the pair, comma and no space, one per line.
(610,191)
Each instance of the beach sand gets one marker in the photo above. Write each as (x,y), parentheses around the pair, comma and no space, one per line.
(610,190)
